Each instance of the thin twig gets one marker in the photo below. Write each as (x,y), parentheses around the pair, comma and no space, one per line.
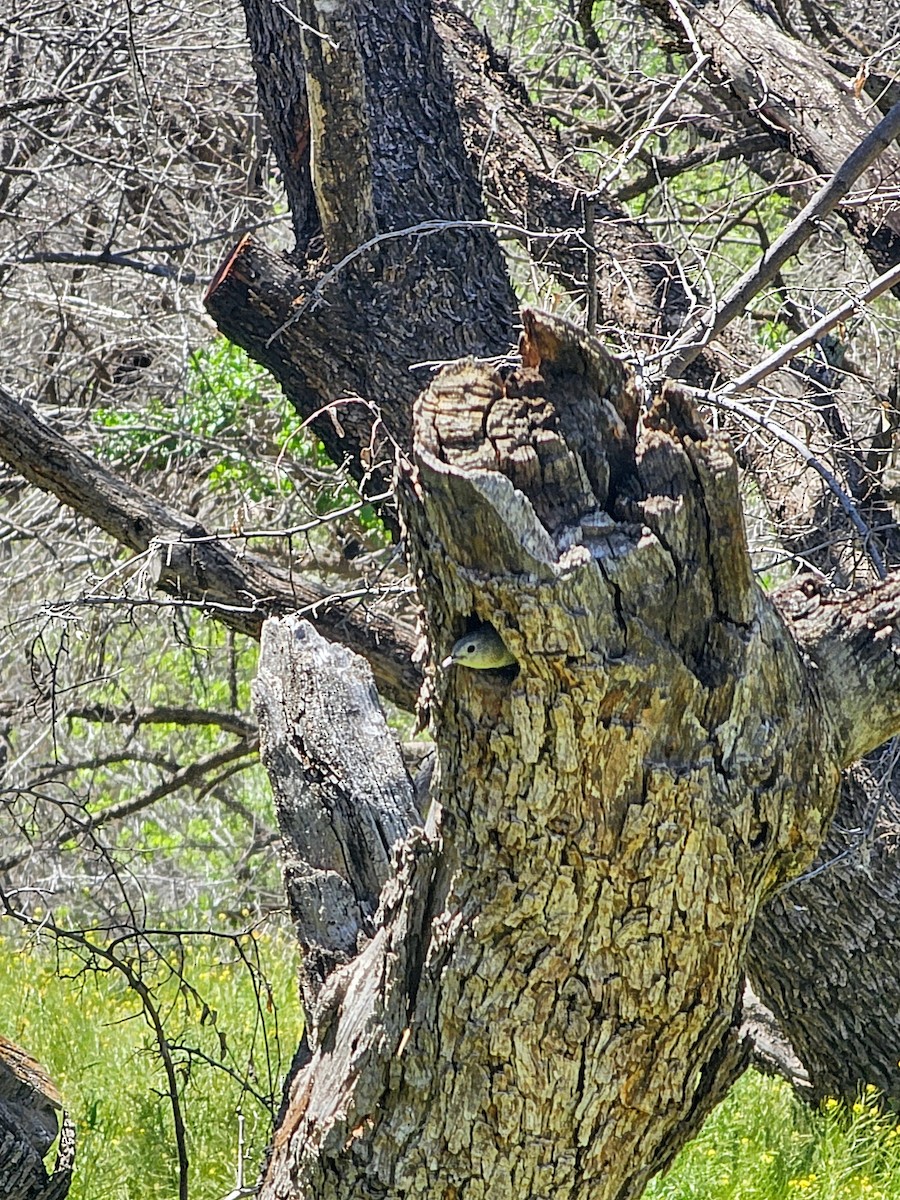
(191,776)
(719,400)
(792,348)
(591,242)
(736,299)
(604,185)
(106,258)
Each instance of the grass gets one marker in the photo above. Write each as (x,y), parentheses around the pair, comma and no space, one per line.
(764,1144)
(87,1028)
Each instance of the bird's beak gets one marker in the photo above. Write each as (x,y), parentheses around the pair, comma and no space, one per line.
(448,662)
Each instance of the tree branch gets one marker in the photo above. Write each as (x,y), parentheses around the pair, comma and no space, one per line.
(804,225)
(193,775)
(813,109)
(811,335)
(342,794)
(341,144)
(854,641)
(245,587)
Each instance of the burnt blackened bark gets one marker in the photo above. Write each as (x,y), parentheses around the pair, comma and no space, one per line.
(362,330)
(273,32)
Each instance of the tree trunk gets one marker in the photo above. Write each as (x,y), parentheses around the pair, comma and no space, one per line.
(30,1108)
(532,182)
(548,1003)
(824,953)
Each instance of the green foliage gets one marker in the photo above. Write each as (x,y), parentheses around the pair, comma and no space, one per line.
(762,1143)
(223,399)
(192,837)
(231,429)
(87,1029)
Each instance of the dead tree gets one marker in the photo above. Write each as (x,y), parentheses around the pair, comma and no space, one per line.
(306,324)
(546,1000)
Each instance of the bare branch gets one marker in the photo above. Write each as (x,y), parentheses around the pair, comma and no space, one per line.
(194,775)
(162,715)
(792,348)
(691,343)
(107,258)
(241,589)
(720,400)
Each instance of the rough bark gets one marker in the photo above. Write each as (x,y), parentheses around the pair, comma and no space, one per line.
(824,956)
(508,151)
(29,1123)
(547,1005)
(346,336)
(530,180)
(275,45)
(342,794)
(824,953)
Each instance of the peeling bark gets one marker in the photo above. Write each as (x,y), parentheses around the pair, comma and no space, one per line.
(342,794)
(528,179)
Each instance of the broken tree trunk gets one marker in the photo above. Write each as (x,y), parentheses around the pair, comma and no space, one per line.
(547,1002)
(385,315)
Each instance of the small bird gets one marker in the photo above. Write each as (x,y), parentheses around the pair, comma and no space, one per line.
(482,649)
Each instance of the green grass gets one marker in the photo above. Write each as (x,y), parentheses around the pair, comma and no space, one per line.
(764,1144)
(87,1029)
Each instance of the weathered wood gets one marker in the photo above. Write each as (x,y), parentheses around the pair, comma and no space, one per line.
(533,181)
(342,794)
(30,1108)
(853,641)
(355,335)
(340,135)
(823,954)
(549,1004)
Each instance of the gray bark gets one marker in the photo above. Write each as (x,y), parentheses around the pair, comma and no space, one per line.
(30,1108)
(342,793)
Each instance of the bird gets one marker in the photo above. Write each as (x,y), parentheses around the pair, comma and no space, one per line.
(483,649)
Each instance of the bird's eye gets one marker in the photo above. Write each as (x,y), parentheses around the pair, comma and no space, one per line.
(470,649)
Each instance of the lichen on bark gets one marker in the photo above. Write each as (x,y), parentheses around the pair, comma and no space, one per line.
(548,1006)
